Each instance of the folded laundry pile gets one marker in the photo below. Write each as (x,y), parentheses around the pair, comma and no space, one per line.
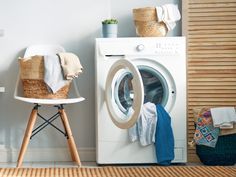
(60,69)
(169,14)
(223,117)
(211,121)
(49,76)
(70,64)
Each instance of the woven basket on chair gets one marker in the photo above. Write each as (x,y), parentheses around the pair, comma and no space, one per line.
(146,24)
(32,75)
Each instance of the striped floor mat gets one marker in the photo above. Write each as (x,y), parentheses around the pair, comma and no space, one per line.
(157,171)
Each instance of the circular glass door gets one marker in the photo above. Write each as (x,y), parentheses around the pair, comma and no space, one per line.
(124,93)
(156,89)
(159,85)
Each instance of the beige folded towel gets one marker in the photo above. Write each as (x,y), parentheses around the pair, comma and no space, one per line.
(70,64)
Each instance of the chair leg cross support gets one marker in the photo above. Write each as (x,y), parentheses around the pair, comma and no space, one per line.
(46,123)
(29,132)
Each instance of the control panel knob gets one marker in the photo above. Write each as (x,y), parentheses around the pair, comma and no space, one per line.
(140,47)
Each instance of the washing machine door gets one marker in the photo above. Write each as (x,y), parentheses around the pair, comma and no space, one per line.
(124,93)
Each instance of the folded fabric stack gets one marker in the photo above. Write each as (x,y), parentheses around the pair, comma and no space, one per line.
(70,64)
(60,69)
(223,117)
(169,14)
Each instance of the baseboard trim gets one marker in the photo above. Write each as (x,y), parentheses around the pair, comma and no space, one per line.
(46,154)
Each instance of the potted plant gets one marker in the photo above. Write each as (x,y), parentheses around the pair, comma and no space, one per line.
(109,28)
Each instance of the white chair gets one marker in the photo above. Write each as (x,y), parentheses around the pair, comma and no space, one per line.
(73,97)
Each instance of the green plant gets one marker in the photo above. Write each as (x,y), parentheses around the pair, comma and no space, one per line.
(110,21)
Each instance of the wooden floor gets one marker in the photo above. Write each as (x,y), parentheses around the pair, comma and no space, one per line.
(46,164)
(72,164)
(120,171)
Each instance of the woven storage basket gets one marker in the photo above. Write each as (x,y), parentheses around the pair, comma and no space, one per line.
(146,24)
(32,75)
(224,152)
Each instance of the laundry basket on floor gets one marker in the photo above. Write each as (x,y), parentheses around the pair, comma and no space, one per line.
(224,153)
(32,77)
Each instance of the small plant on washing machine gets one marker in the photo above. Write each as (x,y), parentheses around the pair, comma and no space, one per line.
(110,21)
(110,28)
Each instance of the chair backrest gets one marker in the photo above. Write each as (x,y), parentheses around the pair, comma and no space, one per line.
(74,95)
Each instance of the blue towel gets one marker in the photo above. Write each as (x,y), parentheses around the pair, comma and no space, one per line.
(164,142)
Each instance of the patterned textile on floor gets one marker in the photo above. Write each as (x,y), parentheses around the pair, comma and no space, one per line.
(205,133)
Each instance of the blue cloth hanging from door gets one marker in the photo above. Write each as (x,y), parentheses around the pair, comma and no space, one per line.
(164,142)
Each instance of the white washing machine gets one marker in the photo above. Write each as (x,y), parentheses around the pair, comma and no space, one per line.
(130,72)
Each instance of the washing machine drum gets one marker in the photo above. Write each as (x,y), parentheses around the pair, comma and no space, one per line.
(128,87)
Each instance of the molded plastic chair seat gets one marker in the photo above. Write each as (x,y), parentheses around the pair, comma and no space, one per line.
(73,97)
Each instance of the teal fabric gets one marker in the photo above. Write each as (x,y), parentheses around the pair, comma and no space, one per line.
(224,152)
(164,142)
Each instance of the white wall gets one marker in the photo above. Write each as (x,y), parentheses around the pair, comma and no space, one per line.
(74,24)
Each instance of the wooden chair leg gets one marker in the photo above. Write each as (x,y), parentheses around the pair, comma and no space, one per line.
(70,148)
(28,132)
(70,140)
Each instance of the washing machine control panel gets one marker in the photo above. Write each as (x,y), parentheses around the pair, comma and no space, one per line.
(161,48)
(165,48)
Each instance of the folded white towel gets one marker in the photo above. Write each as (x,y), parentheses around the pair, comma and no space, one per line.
(169,14)
(223,117)
(53,74)
(160,13)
